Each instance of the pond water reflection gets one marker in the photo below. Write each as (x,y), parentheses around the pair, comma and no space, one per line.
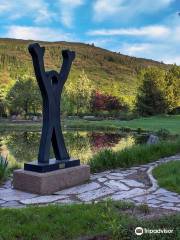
(23,146)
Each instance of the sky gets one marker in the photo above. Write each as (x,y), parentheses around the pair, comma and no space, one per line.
(141,28)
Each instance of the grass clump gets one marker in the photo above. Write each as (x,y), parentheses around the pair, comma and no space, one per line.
(3,168)
(168,176)
(144,208)
(80,221)
(135,155)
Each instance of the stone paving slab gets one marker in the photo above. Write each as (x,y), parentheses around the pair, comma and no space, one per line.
(132,183)
(80,189)
(95,194)
(43,199)
(118,184)
(12,204)
(128,194)
(102,179)
(12,194)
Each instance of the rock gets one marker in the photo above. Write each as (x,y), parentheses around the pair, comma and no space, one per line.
(80,189)
(11,204)
(35,118)
(95,194)
(165,192)
(122,173)
(170,199)
(153,201)
(43,199)
(13,117)
(7,184)
(132,183)
(102,179)
(116,185)
(67,201)
(143,198)
(14,195)
(2,201)
(152,205)
(128,194)
(96,175)
(153,139)
(166,205)
(114,177)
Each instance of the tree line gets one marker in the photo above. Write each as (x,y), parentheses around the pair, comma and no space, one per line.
(159,93)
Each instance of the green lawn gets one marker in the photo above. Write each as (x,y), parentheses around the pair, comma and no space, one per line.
(79,221)
(10,126)
(171,123)
(168,176)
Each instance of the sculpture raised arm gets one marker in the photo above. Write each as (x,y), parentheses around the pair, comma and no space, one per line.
(37,54)
(68,57)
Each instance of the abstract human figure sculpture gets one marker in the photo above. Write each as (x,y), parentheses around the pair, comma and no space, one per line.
(51,84)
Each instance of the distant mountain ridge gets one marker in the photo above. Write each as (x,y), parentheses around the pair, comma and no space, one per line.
(111,72)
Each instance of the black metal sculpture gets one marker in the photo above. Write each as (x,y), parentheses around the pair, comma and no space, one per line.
(51,84)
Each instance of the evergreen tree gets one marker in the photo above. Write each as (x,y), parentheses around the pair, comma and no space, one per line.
(2,102)
(151,99)
(172,90)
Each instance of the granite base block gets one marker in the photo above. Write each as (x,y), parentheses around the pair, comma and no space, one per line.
(50,182)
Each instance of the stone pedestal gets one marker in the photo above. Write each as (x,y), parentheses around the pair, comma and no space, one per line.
(50,182)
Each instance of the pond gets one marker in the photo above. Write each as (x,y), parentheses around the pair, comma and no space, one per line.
(23,146)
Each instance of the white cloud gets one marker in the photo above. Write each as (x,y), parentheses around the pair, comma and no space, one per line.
(172,60)
(123,9)
(38,10)
(147,31)
(37,33)
(160,42)
(67,8)
(72,3)
(107,8)
(135,49)
(4,6)
(166,50)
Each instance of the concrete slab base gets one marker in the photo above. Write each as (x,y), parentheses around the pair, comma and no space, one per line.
(50,182)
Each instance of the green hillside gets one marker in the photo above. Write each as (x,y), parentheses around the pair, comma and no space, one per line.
(111,72)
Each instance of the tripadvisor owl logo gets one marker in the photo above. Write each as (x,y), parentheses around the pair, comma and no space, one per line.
(139,231)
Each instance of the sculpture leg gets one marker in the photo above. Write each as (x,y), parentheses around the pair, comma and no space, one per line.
(58,144)
(45,144)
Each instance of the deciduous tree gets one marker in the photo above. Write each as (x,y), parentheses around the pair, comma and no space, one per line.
(24,96)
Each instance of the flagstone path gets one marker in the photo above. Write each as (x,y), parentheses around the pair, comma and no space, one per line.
(134,184)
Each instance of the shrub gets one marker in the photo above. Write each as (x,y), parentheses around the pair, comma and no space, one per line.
(108,103)
(163,133)
(3,168)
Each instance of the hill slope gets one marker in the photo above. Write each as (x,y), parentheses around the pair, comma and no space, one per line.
(111,72)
